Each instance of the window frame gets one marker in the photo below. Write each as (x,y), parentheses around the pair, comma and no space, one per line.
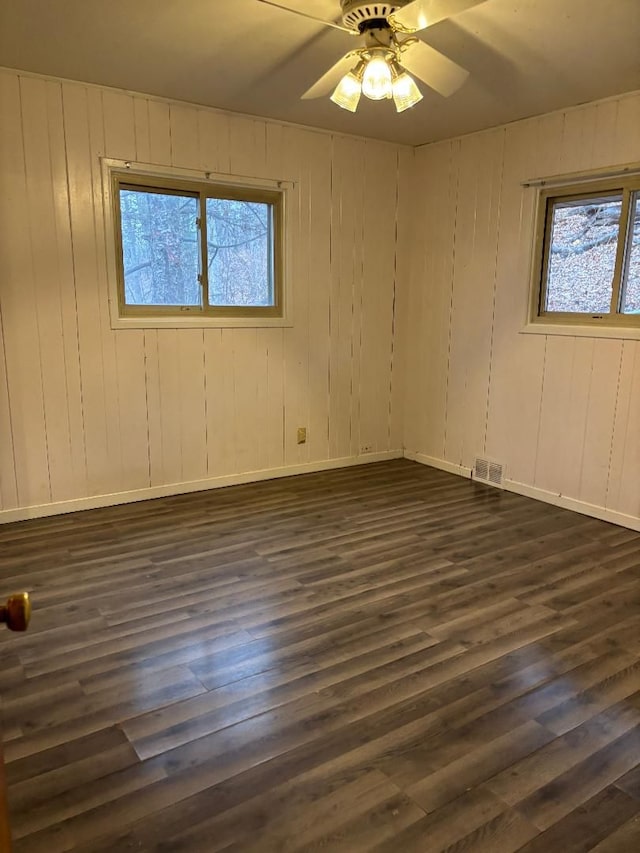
(123,174)
(547,196)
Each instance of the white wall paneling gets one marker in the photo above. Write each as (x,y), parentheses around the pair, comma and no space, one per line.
(409,276)
(430,300)
(402,261)
(562,413)
(88,412)
(20,321)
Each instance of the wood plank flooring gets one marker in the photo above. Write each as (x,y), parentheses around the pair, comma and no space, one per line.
(378,658)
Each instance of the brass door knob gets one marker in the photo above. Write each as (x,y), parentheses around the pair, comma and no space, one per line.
(16,613)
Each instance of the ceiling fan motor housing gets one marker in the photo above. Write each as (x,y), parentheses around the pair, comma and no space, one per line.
(357,13)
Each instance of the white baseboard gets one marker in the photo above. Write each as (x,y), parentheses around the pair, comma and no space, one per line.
(95,501)
(593,510)
(442,464)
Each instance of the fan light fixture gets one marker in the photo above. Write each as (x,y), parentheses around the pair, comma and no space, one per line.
(405,92)
(347,92)
(376,81)
(377,77)
(388,50)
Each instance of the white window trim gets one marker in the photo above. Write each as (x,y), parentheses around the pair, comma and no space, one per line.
(624,333)
(288,189)
(535,325)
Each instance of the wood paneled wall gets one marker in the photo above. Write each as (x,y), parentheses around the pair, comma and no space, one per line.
(562,413)
(410,286)
(88,411)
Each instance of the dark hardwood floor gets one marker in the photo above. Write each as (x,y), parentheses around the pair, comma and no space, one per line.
(381,658)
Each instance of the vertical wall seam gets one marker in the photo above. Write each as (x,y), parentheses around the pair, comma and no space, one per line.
(146,404)
(361,306)
(105,325)
(310,203)
(9,413)
(495,290)
(37,312)
(586,419)
(59,290)
(451,296)
(615,417)
(156,335)
(75,285)
(539,429)
(206,400)
(393,302)
(330,301)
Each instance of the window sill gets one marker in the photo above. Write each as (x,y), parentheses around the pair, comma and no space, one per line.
(631,333)
(200,322)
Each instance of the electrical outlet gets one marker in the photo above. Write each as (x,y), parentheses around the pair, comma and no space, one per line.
(302,435)
(366,448)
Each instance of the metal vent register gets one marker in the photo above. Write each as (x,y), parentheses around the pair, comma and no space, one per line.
(488,471)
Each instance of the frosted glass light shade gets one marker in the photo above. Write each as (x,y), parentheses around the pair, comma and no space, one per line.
(376,82)
(347,92)
(405,92)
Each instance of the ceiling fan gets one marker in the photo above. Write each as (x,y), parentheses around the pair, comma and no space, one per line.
(378,69)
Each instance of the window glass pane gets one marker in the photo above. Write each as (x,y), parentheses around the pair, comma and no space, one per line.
(631,291)
(582,255)
(240,254)
(160,248)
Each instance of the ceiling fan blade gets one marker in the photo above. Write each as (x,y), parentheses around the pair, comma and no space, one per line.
(424,13)
(433,68)
(309,17)
(331,78)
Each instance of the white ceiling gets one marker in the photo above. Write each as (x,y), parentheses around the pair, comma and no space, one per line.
(526,57)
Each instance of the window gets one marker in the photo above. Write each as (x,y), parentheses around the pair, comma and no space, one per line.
(588,255)
(196,249)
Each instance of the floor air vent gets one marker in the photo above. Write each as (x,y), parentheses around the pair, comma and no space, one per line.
(488,471)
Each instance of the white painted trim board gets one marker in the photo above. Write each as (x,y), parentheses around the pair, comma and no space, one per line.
(23,513)
(94,501)
(592,510)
